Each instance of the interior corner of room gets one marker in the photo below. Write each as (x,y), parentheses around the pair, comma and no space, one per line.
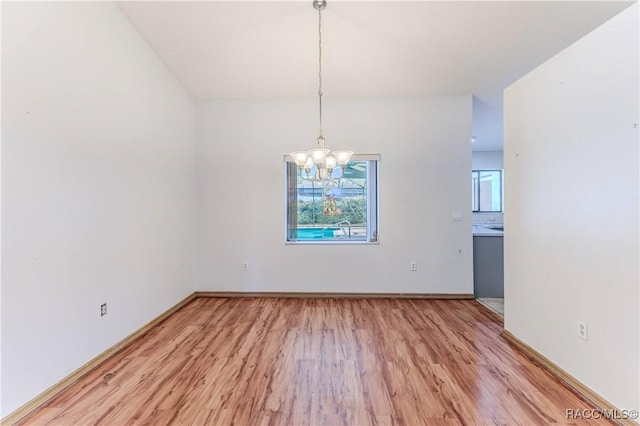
(142,165)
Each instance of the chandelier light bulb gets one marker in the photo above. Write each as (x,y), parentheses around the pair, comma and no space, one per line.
(300,157)
(318,155)
(308,164)
(330,162)
(343,157)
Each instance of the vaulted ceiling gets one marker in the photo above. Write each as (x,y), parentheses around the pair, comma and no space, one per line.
(245,49)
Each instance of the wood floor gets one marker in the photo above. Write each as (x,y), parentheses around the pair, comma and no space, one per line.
(319,362)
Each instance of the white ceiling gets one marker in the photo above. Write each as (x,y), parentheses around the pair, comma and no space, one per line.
(244,49)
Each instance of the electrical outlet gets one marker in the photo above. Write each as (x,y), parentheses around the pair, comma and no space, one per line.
(103,309)
(583,330)
(245,266)
(413,266)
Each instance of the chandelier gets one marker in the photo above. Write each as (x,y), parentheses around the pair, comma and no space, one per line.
(320,163)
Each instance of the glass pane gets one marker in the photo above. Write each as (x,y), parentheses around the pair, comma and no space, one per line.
(490,190)
(334,210)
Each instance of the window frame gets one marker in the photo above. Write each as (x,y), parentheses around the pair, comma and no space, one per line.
(372,196)
(475,190)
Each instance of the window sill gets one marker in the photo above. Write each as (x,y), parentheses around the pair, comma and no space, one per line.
(328,243)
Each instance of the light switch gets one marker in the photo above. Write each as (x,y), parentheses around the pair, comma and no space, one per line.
(456,215)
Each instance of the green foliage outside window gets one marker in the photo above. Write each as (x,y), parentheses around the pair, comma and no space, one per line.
(353,209)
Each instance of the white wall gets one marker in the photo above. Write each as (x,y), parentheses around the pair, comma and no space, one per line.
(98,187)
(487,160)
(487,123)
(423,177)
(572,213)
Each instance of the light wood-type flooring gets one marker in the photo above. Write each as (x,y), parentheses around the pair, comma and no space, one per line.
(260,361)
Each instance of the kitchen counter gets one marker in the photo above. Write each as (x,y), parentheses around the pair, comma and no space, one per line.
(483,231)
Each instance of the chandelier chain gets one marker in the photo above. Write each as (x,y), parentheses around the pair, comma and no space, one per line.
(320,71)
(321,164)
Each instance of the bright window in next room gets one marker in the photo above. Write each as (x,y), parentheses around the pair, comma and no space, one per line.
(487,191)
(340,210)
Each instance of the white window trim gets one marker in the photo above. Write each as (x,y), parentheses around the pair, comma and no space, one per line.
(355,157)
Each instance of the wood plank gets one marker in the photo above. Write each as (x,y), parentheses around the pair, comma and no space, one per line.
(270,361)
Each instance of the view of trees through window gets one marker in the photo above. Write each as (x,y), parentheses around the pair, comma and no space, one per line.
(350,207)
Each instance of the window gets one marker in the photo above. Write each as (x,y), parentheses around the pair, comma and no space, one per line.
(342,210)
(487,190)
